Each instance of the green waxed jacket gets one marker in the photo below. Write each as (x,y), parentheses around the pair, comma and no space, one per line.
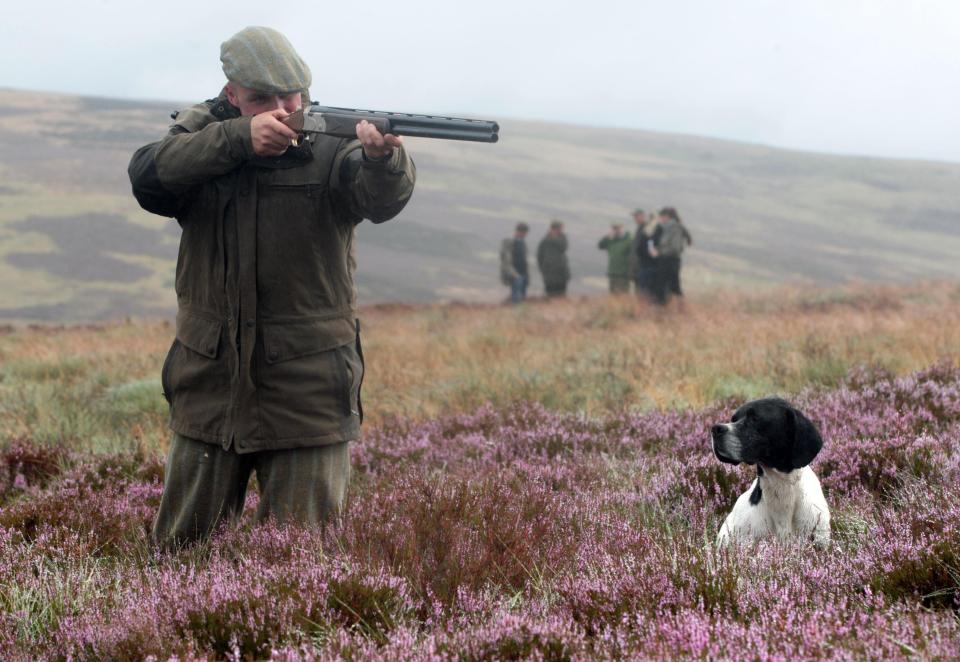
(267,350)
(552,260)
(618,255)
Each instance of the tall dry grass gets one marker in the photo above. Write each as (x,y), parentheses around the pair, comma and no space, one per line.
(608,354)
(98,386)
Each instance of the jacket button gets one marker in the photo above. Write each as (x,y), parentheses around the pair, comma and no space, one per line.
(211,349)
(273,355)
(250,323)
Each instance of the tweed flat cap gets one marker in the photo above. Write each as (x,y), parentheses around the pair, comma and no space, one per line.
(262,59)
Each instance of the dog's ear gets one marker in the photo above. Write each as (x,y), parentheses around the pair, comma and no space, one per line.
(806,440)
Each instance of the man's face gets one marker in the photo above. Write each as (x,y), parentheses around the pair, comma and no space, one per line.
(617,230)
(640,218)
(254,102)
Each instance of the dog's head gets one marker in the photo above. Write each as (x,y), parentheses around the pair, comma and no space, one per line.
(768,431)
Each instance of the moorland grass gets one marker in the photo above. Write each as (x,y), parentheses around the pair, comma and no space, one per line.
(97,387)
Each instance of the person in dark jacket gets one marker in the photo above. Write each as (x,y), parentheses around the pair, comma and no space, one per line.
(667,245)
(618,244)
(552,260)
(264,373)
(643,266)
(514,271)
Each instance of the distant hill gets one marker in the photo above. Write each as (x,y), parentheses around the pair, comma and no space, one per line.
(74,245)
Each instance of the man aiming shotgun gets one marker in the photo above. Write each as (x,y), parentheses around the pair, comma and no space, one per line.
(265,372)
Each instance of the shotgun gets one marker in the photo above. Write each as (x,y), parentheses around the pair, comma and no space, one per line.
(342,123)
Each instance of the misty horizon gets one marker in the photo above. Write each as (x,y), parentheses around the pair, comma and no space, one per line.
(172,105)
(866,79)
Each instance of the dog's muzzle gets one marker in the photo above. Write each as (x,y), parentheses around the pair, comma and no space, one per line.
(723,447)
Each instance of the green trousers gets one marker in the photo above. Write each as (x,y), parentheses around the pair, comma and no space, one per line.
(205,485)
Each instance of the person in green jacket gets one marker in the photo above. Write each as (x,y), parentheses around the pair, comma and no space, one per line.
(264,373)
(552,260)
(618,246)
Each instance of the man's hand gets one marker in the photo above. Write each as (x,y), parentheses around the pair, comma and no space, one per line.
(271,137)
(375,144)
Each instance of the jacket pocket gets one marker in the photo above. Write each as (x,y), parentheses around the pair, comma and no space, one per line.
(345,375)
(165,371)
(363,371)
(291,340)
(198,383)
(309,380)
(200,334)
(307,190)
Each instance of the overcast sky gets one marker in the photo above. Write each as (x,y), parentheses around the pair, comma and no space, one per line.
(876,77)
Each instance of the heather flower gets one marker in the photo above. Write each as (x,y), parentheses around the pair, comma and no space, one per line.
(512,533)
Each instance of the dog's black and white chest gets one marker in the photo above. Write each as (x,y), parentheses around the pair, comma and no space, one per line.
(779,505)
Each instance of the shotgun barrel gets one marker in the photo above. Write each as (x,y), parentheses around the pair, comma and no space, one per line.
(342,122)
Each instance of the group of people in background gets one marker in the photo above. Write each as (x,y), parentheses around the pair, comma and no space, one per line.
(650,258)
(551,260)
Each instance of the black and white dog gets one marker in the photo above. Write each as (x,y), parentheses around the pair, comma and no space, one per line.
(785,501)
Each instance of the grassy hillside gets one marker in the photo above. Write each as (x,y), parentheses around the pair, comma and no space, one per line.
(533,483)
(75,246)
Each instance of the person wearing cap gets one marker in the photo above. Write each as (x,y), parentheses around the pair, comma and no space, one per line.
(265,371)
(618,244)
(514,271)
(552,260)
